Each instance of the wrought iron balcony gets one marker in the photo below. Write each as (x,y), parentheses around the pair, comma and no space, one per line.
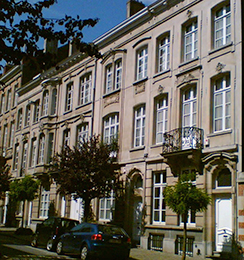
(181,139)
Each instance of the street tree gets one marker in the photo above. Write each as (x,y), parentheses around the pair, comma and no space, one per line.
(185,197)
(24,189)
(86,171)
(4,177)
(23,26)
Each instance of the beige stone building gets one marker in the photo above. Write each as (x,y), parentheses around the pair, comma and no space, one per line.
(169,86)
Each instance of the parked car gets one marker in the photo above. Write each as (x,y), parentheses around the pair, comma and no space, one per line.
(48,232)
(92,240)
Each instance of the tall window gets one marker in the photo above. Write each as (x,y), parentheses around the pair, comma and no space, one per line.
(190,41)
(222,26)
(44,206)
(69,97)
(66,140)
(139,126)
(82,133)
(113,76)
(159,208)
(161,118)
(33,152)
(54,102)
(27,115)
(16,157)
(5,136)
(36,111)
(9,97)
(24,155)
(15,96)
(85,89)
(45,103)
(41,149)
(222,103)
(111,128)
(19,119)
(50,147)
(3,104)
(11,137)
(163,53)
(189,107)
(106,208)
(142,61)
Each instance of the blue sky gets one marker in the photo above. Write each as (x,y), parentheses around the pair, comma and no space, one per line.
(110,13)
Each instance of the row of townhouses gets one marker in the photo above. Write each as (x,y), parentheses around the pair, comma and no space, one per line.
(169,85)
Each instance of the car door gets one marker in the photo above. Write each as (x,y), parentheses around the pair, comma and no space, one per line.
(44,231)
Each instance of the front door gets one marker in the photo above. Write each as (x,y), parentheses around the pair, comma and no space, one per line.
(223,217)
(137,219)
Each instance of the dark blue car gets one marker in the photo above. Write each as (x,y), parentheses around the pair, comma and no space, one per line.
(91,240)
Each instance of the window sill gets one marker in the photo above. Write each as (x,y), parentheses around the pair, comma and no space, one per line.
(111,93)
(188,62)
(67,112)
(227,47)
(83,105)
(140,81)
(224,132)
(139,148)
(162,73)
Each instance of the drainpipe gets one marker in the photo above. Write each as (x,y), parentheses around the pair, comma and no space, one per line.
(93,96)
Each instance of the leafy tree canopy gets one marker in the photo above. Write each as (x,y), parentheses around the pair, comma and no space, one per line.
(22,25)
(24,189)
(4,176)
(88,171)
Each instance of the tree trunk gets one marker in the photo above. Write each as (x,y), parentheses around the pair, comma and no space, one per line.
(184,237)
(86,209)
(23,214)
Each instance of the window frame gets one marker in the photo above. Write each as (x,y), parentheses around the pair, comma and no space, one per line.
(85,89)
(33,153)
(82,133)
(163,52)
(41,149)
(110,128)
(141,119)
(27,115)
(142,63)
(69,97)
(19,119)
(106,209)
(44,203)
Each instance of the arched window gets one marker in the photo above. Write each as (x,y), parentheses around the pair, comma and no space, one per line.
(45,103)
(223,178)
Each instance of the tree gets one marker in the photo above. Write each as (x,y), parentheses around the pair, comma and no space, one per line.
(23,25)
(186,197)
(87,171)
(24,189)
(4,177)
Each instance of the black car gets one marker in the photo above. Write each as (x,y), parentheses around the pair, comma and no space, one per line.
(92,240)
(48,232)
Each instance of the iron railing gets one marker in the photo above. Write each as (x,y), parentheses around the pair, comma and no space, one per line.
(183,139)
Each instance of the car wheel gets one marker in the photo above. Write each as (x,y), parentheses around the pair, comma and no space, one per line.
(50,245)
(59,248)
(34,241)
(84,252)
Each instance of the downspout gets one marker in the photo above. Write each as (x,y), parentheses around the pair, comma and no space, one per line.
(93,97)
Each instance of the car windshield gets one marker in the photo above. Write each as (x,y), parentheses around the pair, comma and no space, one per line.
(111,230)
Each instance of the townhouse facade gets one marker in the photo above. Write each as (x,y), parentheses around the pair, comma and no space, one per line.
(169,86)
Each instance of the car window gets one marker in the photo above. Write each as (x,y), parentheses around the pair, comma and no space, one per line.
(77,228)
(111,230)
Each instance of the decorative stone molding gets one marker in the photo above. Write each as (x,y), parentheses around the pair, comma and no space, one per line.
(140,87)
(111,99)
(220,67)
(160,89)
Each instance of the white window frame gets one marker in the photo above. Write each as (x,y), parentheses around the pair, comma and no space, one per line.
(54,102)
(50,147)
(20,119)
(113,76)
(33,152)
(66,137)
(224,92)
(163,53)
(190,41)
(106,208)
(85,89)
(142,63)
(3,104)
(36,111)
(12,130)
(159,207)
(189,106)
(69,97)
(24,155)
(44,203)
(161,118)
(82,133)
(109,78)
(16,157)
(111,128)
(222,35)
(15,99)
(41,149)
(27,115)
(118,74)
(5,139)
(9,97)
(139,126)
(45,102)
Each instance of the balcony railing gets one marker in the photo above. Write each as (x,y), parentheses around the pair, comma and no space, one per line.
(183,139)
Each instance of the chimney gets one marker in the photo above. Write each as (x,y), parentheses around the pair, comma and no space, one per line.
(133,6)
(50,46)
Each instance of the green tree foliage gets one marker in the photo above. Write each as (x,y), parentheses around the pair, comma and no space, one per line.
(4,177)
(23,25)
(88,171)
(185,197)
(24,189)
